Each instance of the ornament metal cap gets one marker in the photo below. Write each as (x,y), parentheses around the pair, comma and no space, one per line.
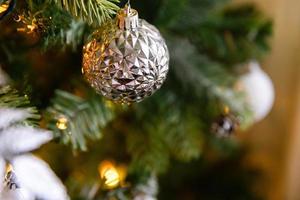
(128,18)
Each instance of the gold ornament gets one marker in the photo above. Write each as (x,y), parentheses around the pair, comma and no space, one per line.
(127,59)
(226,110)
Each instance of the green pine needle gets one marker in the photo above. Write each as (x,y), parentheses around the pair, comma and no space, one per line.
(92,11)
(81,119)
(10,98)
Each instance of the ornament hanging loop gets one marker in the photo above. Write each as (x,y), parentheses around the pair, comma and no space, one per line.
(128,5)
(128,18)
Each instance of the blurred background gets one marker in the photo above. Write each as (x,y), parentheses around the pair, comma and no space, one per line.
(275,142)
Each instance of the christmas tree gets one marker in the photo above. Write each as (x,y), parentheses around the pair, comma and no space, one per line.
(197,59)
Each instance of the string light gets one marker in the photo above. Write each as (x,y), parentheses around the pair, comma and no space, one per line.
(226,110)
(109,174)
(112,176)
(62,123)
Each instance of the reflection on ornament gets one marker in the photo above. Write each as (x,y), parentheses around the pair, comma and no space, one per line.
(259,90)
(127,59)
(32,23)
(62,123)
(3,7)
(6,7)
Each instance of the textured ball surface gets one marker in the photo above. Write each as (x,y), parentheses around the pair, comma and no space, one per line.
(126,65)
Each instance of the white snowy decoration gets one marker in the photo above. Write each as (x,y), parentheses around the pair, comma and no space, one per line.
(32,178)
(12,190)
(259,89)
(147,191)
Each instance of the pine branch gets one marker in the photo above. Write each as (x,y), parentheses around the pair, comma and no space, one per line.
(207,79)
(148,151)
(233,35)
(145,189)
(184,136)
(64,31)
(184,14)
(56,27)
(74,120)
(92,11)
(230,35)
(173,127)
(10,98)
(170,131)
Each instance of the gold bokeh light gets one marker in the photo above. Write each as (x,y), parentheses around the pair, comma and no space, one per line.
(62,123)
(109,174)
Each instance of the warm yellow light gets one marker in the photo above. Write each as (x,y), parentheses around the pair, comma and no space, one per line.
(31,28)
(226,110)
(9,168)
(111,177)
(109,104)
(3,7)
(109,174)
(62,123)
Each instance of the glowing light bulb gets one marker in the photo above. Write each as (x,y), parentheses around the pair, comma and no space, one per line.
(111,178)
(109,174)
(62,123)
(226,110)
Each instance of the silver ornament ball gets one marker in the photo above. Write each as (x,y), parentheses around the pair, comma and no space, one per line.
(126,60)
